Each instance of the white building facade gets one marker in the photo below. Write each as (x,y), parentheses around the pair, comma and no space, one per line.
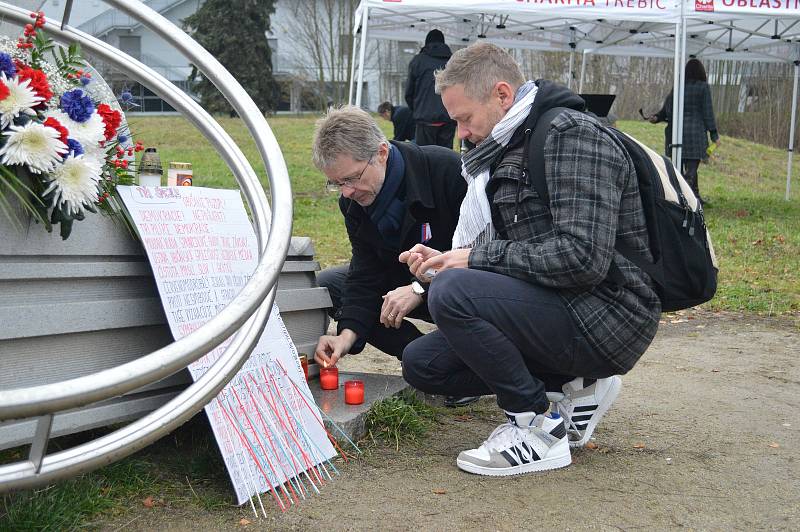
(307,83)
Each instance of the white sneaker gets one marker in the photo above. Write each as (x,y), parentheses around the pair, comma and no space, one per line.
(583,403)
(527,442)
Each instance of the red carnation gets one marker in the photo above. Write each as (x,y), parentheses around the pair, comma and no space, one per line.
(55,124)
(4,92)
(39,83)
(111,118)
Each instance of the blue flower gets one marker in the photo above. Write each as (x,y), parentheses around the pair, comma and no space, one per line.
(7,65)
(77,105)
(85,81)
(74,147)
(122,139)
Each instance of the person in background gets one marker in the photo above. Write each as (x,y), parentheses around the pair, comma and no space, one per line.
(401,118)
(523,302)
(433,124)
(698,123)
(393,195)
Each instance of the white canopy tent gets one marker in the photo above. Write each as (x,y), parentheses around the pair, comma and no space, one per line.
(769,29)
(714,29)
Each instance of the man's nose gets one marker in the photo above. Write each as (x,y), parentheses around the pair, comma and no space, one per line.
(463,133)
(347,191)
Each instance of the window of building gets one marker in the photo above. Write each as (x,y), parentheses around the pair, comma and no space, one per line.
(131,45)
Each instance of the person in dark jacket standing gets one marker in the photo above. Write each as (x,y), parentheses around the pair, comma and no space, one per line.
(698,123)
(433,124)
(522,301)
(393,196)
(401,118)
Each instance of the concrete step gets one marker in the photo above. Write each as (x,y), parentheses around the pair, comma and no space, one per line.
(351,418)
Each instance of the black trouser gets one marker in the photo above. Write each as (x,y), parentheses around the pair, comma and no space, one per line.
(689,171)
(426,135)
(499,335)
(389,340)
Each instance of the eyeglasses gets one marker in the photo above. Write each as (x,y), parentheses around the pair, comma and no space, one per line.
(333,186)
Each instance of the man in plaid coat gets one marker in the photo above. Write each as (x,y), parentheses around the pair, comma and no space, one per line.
(523,304)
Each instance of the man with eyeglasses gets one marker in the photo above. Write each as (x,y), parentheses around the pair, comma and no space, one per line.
(393,195)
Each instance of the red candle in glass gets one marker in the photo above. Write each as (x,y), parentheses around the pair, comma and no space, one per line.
(329,378)
(304,364)
(354,392)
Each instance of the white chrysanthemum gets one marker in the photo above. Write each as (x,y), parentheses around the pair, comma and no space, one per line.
(74,183)
(21,99)
(97,156)
(88,133)
(95,150)
(34,145)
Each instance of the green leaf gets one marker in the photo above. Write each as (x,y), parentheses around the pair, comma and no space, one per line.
(8,212)
(28,200)
(66,229)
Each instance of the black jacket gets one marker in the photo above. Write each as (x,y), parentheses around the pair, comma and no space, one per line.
(420,97)
(434,190)
(403,122)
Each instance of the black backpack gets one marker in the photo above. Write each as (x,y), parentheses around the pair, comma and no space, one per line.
(684,266)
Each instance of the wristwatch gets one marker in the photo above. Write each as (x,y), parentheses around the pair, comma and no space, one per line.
(419,289)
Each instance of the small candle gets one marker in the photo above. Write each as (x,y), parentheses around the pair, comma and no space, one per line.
(329,378)
(304,364)
(354,392)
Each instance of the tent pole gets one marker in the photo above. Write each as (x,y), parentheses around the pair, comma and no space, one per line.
(361,55)
(583,71)
(679,157)
(681,101)
(571,66)
(352,68)
(791,132)
(676,89)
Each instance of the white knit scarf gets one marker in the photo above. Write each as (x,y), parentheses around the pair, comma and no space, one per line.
(475,217)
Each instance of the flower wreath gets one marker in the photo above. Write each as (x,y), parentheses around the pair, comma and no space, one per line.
(64,145)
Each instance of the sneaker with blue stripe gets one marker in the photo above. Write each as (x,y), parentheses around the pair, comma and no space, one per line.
(583,403)
(528,442)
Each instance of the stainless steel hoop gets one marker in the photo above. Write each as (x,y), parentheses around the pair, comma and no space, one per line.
(249,311)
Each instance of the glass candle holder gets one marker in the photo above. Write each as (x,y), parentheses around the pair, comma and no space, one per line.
(354,392)
(304,364)
(329,378)
(149,179)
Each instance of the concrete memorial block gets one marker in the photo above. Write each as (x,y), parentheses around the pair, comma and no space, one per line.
(74,307)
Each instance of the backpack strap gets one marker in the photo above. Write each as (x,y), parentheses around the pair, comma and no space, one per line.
(536,135)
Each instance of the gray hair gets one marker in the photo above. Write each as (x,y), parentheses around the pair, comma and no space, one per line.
(345,130)
(479,68)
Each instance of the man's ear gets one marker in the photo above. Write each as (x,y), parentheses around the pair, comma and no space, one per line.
(383,152)
(505,94)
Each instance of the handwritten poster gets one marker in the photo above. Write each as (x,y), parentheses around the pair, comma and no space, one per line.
(202,249)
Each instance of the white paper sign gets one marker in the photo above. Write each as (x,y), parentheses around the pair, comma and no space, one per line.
(202,249)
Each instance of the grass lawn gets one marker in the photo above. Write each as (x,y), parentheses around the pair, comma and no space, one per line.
(755,231)
(756,235)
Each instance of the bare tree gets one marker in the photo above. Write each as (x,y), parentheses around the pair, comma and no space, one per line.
(323,33)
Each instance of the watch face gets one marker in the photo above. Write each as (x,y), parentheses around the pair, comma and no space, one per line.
(417,288)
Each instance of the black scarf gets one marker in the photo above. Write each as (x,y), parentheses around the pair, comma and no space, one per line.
(388,209)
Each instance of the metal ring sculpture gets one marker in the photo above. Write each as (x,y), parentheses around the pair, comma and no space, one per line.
(247,313)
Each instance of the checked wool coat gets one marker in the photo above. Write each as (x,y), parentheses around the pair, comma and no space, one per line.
(568,244)
(698,118)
